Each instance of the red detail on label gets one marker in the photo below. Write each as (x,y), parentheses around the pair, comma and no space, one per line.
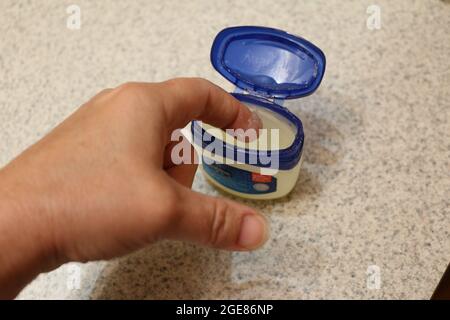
(256,177)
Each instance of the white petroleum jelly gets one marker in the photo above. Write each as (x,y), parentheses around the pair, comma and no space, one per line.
(252,181)
(283,133)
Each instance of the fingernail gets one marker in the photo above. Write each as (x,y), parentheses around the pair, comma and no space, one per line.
(254,122)
(251,131)
(253,232)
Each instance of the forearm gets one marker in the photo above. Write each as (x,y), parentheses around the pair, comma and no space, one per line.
(25,244)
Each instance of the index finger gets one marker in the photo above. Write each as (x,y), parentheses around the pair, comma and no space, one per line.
(187,99)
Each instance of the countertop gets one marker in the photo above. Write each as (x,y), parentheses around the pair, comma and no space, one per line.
(370,214)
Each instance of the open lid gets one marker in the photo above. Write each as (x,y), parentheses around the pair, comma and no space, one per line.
(267,61)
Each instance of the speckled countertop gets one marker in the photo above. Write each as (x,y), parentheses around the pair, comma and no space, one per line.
(373,199)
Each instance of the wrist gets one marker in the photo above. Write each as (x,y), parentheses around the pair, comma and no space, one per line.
(26,234)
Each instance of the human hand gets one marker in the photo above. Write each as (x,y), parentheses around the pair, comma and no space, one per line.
(102,183)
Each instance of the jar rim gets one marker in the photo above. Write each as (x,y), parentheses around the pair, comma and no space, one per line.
(287,157)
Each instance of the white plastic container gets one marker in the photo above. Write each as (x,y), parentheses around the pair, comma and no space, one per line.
(267,66)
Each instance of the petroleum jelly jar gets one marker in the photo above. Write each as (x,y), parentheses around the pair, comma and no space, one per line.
(267,66)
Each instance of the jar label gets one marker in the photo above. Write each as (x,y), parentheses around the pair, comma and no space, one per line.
(240,180)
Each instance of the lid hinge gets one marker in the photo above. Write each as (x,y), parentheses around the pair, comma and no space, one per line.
(280,102)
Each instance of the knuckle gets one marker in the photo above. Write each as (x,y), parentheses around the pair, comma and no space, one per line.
(175,84)
(103,93)
(127,97)
(134,98)
(129,90)
(219,234)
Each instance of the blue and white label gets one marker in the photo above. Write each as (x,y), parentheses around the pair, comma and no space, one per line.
(241,180)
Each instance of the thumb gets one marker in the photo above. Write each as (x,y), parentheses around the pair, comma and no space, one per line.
(217,222)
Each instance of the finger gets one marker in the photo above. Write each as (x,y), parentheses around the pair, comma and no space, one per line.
(187,99)
(102,94)
(216,222)
(183,174)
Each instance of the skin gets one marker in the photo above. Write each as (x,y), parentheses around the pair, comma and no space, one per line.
(102,184)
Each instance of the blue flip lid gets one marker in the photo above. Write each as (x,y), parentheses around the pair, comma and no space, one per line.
(268,62)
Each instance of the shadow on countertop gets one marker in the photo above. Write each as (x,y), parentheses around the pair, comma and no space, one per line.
(176,270)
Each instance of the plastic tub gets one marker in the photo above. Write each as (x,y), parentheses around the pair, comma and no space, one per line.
(267,66)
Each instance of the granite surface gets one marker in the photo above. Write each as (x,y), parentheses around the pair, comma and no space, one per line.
(370,215)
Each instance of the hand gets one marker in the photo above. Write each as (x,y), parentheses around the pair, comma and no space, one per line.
(102,184)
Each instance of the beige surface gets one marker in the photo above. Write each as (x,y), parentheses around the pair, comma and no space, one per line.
(375,185)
